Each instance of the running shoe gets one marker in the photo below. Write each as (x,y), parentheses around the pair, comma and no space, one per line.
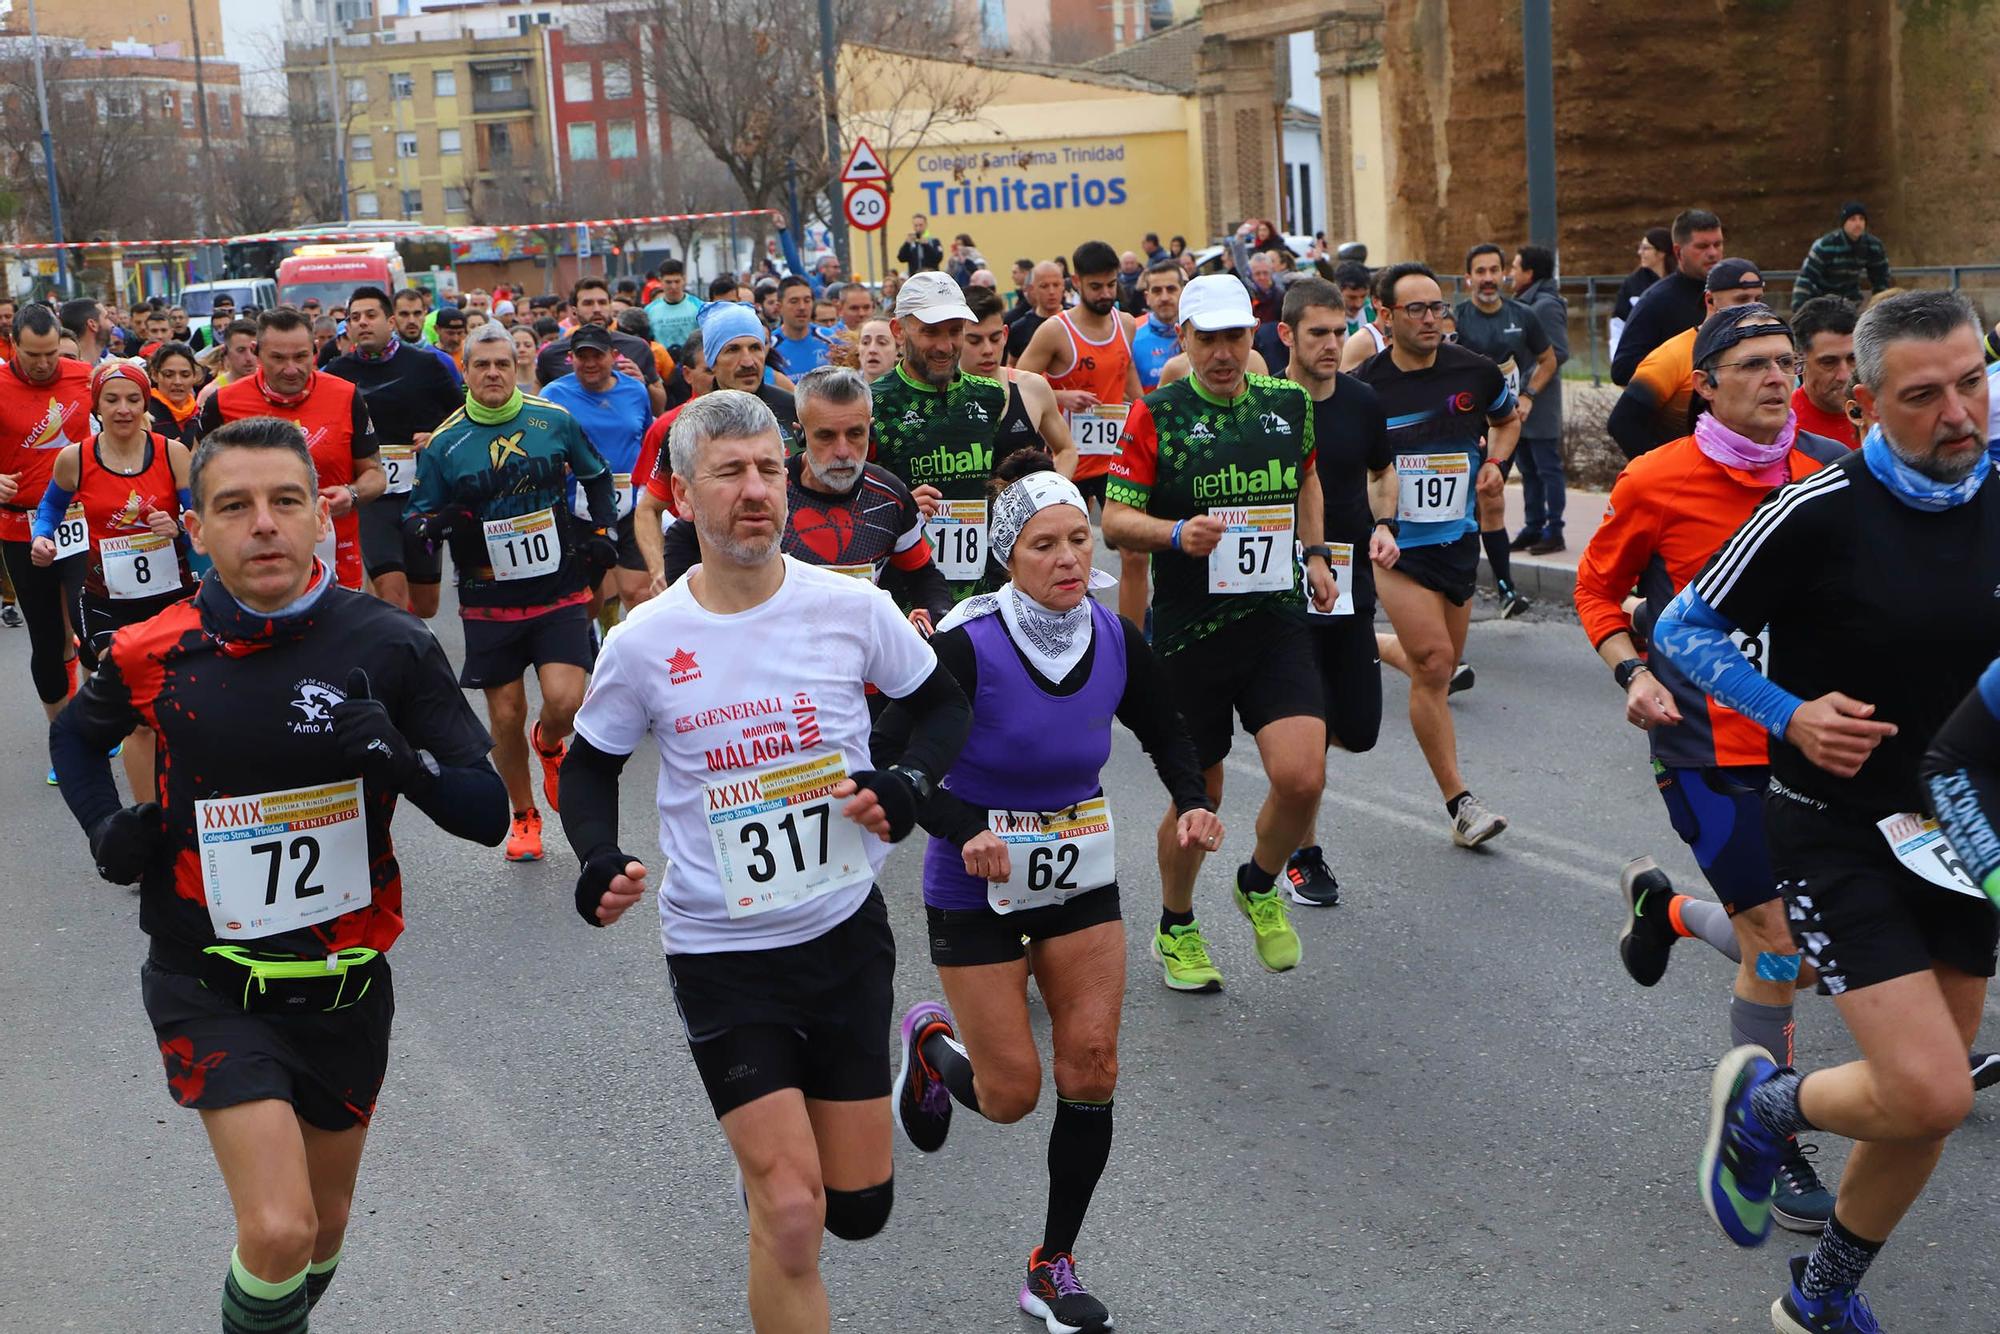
(1511,602)
(52,778)
(1739,1158)
(1278,945)
(1800,1201)
(1648,936)
(1842,1311)
(1184,961)
(1055,1296)
(1462,678)
(551,765)
(10,616)
(1474,824)
(1310,879)
(923,1104)
(524,838)
(1985,1069)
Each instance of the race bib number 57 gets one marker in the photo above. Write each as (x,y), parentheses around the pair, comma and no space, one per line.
(1255,553)
(1921,847)
(779,837)
(278,861)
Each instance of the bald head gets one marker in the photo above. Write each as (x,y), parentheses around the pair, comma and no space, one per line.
(1045,288)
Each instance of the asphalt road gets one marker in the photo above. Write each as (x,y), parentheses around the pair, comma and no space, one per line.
(1457,1115)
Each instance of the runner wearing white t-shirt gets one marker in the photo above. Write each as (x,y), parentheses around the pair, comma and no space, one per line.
(749,675)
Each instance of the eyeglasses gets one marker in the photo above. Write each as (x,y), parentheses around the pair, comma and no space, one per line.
(1761,366)
(1416,310)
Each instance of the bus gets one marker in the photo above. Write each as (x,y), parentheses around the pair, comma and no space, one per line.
(421,248)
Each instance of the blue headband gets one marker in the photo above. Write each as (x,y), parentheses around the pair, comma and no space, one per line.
(723,321)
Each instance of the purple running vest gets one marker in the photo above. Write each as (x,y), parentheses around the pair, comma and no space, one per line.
(1028,750)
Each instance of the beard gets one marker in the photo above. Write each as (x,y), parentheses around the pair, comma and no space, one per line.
(738,551)
(1101,306)
(835,476)
(1933,464)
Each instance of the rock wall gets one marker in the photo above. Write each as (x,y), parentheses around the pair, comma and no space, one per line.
(1946,132)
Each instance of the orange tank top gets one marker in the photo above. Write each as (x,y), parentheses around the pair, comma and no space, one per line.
(115,504)
(1099,368)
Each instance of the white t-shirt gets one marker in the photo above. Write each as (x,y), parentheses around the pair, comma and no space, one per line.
(726,697)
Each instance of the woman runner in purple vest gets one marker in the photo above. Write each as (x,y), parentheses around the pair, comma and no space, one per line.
(1021,863)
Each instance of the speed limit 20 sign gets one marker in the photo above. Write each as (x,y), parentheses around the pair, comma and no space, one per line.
(867,207)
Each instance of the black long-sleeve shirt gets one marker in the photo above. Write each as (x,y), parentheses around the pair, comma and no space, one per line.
(407,394)
(1670,305)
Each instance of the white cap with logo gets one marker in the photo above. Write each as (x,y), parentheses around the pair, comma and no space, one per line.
(932,297)
(1217,301)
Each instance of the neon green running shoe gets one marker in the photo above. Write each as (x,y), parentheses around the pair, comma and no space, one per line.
(1184,960)
(1278,945)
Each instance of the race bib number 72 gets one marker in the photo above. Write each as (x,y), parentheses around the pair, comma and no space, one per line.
(278,861)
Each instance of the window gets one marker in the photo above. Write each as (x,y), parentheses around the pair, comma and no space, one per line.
(167,103)
(621,139)
(357,92)
(401,87)
(499,143)
(500,82)
(226,110)
(366,205)
(361,148)
(617,79)
(413,203)
(187,113)
(454,199)
(406,145)
(583,141)
(120,103)
(444,83)
(448,142)
(576,81)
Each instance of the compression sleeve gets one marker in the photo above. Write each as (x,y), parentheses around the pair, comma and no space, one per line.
(186,499)
(940,716)
(590,797)
(1631,420)
(681,549)
(1962,785)
(1146,708)
(603,499)
(946,815)
(97,717)
(55,503)
(467,801)
(1695,638)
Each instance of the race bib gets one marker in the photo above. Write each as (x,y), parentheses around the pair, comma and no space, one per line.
(864,571)
(524,546)
(73,533)
(622,491)
(780,839)
(1053,855)
(399,466)
(1755,649)
(1432,488)
(280,861)
(1921,847)
(1343,574)
(957,534)
(1095,431)
(1511,374)
(141,565)
(1255,553)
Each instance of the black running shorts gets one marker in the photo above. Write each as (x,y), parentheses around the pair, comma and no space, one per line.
(1450,568)
(387,549)
(963,937)
(1261,667)
(629,557)
(498,653)
(1350,674)
(812,1016)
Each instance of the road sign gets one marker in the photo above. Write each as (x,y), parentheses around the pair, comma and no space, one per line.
(867,207)
(863,165)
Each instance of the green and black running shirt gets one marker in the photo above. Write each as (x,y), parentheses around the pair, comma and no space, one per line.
(939,437)
(1186,452)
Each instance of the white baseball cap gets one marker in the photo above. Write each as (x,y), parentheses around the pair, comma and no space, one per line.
(1216,301)
(933,298)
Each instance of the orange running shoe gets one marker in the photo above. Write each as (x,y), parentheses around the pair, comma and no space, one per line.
(524,840)
(551,764)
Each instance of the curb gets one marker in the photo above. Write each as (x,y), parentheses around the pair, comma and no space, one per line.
(1542,581)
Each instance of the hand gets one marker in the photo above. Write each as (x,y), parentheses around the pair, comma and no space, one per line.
(1524,403)
(420,439)
(42,551)
(986,857)
(1382,548)
(883,803)
(1075,400)
(1837,733)
(658,583)
(1200,829)
(611,882)
(598,552)
(1648,704)
(1201,535)
(370,741)
(162,523)
(1320,582)
(922,620)
(929,499)
(1491,480)
(126,841)
(339,499)
(626,366)
(10,486)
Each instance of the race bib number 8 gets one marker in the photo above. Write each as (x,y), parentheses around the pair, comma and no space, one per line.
(524,546)
(622,492)
(1343,576)
(399,468)
(279,861)
(1255,553)
(1096,430)
(142,565)
(780,839)
(73,533)
(1432,488)
(1053,856)
(957,534)
(1921,847)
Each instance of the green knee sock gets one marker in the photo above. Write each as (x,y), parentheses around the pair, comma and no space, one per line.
(318,1275)
(250,1305)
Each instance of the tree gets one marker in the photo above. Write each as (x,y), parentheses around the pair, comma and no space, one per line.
(120,172)
(694,180)
(317,174)
(254,189)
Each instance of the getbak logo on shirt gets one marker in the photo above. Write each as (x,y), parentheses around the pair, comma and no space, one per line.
(316,700)
(1234,483)
(945,462)
(681,668)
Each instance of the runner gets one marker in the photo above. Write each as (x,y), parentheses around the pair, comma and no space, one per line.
(672,312)
(1214,475)
(408,392)
(174,374)
(777,941)
(613,411)
(1352,441)
(1885,559)
(1033,420)
(237,359)
(1670,509)
(1436,397)
(592,299)
(1022,864)
(494,483)
(332,413)
(411,315)
(800,345)
(44,407)
(1086,354)
(1157,340)
(272,1007)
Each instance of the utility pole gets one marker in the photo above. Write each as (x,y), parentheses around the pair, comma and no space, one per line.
(48,156)
(339,114)
(836,212)
(1539,84)
(207,162)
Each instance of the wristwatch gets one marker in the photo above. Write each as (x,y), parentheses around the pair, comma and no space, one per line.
(918,780)
(1393,524)
(1626,670)
(1320,549)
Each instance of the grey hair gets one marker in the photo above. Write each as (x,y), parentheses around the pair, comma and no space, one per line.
(720,414)
(1931,316)
(838,385)
(490,332)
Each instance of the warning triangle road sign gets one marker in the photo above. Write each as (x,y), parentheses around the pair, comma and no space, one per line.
(863,165)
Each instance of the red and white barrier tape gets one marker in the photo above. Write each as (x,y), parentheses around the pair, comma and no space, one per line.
(407,233)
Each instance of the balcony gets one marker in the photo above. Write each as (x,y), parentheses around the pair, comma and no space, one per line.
(486,101)
(501,86)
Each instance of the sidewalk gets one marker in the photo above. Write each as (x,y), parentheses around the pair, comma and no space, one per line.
(1551,578)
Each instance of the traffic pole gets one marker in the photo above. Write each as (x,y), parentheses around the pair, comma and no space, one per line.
(48,158)
(836,211)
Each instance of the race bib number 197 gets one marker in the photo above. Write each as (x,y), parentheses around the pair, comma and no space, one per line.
(1432,488)
(279,861)
(780,838)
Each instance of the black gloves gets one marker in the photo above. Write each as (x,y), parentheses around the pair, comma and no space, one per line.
(436,528)
(370,741)
(598,552)
(600,868)
(897,793)
(126,841)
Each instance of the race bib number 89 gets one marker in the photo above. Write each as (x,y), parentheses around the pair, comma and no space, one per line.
(73,533)
(279,861)
(780,839)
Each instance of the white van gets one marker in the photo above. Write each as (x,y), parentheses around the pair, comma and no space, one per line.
(198,299)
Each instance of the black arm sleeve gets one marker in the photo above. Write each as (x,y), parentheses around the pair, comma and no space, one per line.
(1631,422)
(940,716)
(467,801)
(1146,708)
(590,797)
(682,549)
(602,497)
(1962,785)
(945,815)
(211,413)
(923,587)
(98,717)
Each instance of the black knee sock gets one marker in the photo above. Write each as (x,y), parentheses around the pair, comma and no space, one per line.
(1079,1146)
(251,1305)
(952,1066)
(319,1274)
(1495,540)
(1169,919)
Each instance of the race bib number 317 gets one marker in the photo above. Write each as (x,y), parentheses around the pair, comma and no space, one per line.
(780,838)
